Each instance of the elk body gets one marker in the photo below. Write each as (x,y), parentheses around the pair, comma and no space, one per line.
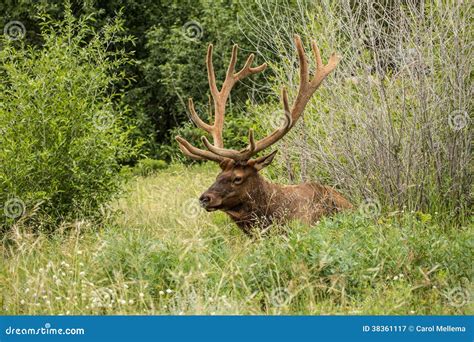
(239,190)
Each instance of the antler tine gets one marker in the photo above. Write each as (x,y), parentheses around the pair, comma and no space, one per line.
(196,119)
(196,153)
(211,76)
(304,72)
(244,154)
(317,54)
(233,61)
(248,70)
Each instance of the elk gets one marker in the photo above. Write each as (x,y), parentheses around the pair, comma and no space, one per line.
(239,190)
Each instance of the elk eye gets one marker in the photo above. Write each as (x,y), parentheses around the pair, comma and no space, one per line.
(237,180)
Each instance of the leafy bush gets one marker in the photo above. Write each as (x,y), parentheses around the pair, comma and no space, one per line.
(389,125)
(62,128)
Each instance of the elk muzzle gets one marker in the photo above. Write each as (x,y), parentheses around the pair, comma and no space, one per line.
(210,201)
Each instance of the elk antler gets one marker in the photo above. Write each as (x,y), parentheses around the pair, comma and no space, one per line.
(306,89)
(220,100)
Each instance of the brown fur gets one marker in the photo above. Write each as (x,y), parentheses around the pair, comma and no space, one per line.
(257,202)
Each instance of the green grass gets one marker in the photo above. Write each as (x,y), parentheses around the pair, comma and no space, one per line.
(161,254)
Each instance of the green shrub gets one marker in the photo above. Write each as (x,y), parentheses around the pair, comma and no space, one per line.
(146,167)
(62,130)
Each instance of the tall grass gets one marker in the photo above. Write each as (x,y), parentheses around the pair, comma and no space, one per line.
(161,254)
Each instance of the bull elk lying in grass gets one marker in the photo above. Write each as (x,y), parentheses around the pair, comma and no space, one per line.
(239,190)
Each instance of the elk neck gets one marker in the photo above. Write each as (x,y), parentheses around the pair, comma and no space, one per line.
(262,202)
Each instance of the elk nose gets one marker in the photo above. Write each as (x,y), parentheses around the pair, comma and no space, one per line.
(204,200)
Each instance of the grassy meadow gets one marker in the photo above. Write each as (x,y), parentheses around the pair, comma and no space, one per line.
(159,253)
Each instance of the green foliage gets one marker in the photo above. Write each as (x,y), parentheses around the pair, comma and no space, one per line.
(63,132)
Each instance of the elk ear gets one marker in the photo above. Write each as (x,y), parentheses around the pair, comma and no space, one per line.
(264,161)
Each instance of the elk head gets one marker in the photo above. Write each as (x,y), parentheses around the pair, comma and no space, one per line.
(239,180)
